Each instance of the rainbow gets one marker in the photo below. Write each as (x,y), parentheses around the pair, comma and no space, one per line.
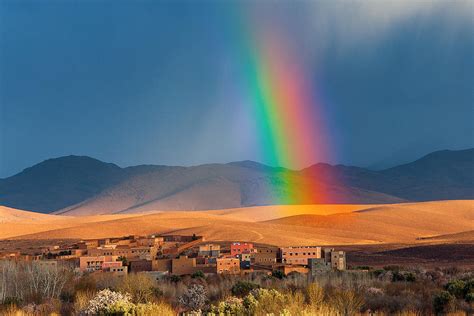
(288,115)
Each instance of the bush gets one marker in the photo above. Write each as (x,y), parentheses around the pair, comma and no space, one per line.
(315,294)
(82,300)
(264,301)
(243,288)
(346,301)
(456,288)
(444,302)
(107,300)
(410,277)
(138,285)
(230,306)
(470,297)
(152,309)
(198,274)
(278,274)
(194,298)
(469,287)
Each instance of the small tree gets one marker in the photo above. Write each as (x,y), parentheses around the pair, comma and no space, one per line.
(194,298)
(106,299)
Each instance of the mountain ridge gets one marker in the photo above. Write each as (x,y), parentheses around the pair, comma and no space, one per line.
(84,185)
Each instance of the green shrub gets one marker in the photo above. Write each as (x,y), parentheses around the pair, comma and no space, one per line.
(470,297)
(264,301)
(243,288)
(230,306)
(469,287)
(443,302)
(278,274)
(198,274)
(456,288)
(410,277)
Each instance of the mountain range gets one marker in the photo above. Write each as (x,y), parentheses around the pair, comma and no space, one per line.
(80,185)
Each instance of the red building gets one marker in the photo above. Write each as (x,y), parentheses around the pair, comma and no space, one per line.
(238,248)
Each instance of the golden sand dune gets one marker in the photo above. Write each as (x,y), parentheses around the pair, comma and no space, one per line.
(14,222)
(263,213)
(462,237)
(282,225)
(8,215)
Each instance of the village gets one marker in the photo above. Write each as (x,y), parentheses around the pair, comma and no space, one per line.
(161,255)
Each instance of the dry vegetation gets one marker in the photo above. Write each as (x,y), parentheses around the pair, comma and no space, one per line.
(29,290)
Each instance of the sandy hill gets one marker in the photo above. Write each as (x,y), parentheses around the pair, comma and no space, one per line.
(282,225)
(8,215)
(462,237)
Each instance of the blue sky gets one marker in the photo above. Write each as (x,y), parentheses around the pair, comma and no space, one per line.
(135,82)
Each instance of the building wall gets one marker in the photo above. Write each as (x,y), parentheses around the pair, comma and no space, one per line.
(209,250)
(161,265)
(265,256)
(118,270)
(228,265)
(318,265)
(140,265)
(183,265)
(129,253)
(338,260)
(287,269)
(299,255)
(111,264)
(238,248)
(94,263)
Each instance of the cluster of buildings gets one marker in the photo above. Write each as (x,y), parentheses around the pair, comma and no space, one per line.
(182,255)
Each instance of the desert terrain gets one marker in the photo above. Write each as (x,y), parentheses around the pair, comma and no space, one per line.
(372,234)
(440,221)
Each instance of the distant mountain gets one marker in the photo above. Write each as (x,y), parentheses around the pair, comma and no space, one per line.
(57,183)
(440,175)
(83,185)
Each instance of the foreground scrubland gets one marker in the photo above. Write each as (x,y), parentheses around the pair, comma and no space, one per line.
(27,289)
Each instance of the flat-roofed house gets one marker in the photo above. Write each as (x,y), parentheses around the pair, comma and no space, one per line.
(265,256)
(94,263)
(228,265)
(122,270)
(299,254)
(237,248)
(209,250)
(338,260)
